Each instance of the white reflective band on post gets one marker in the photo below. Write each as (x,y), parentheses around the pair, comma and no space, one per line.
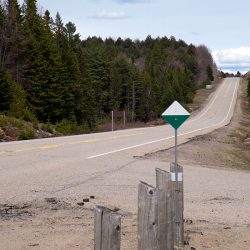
(173,176)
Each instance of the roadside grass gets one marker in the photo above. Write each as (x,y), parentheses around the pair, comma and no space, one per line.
(240,136)
(201,96)
(16,129)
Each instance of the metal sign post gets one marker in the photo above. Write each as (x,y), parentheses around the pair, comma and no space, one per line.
(176,115)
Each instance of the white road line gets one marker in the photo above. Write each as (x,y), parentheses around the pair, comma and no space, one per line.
(164,139)
(209,105)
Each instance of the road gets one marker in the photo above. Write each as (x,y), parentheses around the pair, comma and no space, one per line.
(101,164)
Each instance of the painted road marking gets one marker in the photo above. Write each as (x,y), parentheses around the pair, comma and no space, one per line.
(164,139)
(69,143)
(84,141)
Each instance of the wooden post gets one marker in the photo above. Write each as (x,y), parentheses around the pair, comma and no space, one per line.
(124,119)
(112,118)
(147,217)
(165,216)
(107,229)
(178,194)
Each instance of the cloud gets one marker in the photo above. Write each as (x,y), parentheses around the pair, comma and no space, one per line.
(195,33)
(104,14)
(233,59)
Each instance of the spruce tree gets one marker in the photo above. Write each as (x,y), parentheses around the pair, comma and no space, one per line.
(3,41)
(15,40)
(5,82)
(210,75)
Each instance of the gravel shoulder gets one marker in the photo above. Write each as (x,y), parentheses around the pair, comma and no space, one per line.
(217,193)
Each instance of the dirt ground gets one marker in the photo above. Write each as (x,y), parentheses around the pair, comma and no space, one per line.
(227,148)
(218,221)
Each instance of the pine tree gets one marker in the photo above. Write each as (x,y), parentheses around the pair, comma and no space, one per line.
(15,40)
(5,82)
(210,75)
(44,75)
(3,41)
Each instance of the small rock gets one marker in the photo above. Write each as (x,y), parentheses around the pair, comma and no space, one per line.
(85,200)
(247,140)
(189,222)
(193,248)
(186,243)
(92,197)
(80,203)
(51,200)
(34,245)
(227,228)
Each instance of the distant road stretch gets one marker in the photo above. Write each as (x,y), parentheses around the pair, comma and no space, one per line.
(63,166)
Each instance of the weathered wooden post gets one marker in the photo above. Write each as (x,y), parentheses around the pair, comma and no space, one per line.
(147,217)
(165,212)
(107,229)
(155,223)
(178,196)
(112,120)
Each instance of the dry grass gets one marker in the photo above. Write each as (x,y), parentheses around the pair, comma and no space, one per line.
(201,96)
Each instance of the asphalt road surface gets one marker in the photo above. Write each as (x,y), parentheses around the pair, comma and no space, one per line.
(101,164)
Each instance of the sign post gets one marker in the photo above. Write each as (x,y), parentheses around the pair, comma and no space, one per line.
(176,115)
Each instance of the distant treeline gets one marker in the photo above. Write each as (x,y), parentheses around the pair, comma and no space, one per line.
(48,74)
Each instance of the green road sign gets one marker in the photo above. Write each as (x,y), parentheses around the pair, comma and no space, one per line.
(175,115)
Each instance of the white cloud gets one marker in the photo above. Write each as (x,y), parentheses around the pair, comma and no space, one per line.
(104,14)
(233,59)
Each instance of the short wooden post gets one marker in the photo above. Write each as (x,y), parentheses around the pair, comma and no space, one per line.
(107,229)
(177,194)
(165,216)
(124,119)
(147,217)
(112,120)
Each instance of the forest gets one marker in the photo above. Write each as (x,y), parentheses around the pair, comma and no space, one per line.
(49,74)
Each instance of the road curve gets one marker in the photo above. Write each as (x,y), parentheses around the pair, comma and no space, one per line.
(100,164)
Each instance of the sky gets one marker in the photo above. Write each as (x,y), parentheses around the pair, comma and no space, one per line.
(222,25)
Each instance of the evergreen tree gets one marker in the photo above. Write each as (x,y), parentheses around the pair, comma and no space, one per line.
(238,74)
(5,82)
(15,40)
(44,65)
(210,75)
(3,42)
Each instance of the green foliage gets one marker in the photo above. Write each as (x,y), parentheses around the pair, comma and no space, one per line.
(210,75)
(3,121)
(48,74)
(67,127)
(18,106)
(238,74)
(5,82)
(27,134)
(26,131)
(48,127)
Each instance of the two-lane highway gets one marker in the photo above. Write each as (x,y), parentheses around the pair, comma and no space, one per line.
(101,164)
